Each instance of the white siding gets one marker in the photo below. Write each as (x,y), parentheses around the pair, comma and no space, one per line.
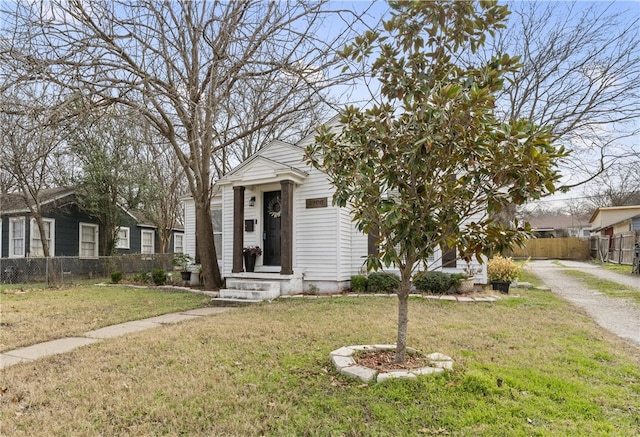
(260,170)
(189,227)
(317,230)
(344,267)
(227,230)
(359,250)
(326,245)
(286,154)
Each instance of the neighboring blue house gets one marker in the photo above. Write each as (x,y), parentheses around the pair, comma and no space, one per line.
(69,230)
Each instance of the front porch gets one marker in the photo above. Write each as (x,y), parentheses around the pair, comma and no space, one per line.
(262,285)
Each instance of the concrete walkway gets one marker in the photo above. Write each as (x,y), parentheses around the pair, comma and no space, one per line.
(62,345)
(618,315)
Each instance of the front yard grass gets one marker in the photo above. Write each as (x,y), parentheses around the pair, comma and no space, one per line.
(618,268)
(32,314)
(264,370)
(605,286)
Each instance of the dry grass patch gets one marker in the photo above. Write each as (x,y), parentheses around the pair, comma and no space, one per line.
(264,370)
(34,315)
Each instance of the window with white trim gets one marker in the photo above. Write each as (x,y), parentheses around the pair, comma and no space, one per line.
(147,241)
(178,243)
(16,237)
(36,245)
(88,240)
(122,238)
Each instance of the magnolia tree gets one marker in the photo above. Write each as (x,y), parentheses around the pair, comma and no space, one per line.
(424,168)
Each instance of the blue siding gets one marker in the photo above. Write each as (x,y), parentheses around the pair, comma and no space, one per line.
(68,216)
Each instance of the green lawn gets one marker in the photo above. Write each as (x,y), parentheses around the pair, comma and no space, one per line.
(618,268)
(265,370)
(33,314)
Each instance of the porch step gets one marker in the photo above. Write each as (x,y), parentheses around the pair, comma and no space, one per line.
(253,285)
(250,295)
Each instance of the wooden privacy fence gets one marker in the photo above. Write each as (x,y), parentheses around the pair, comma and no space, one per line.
(622,247)
(618,248)
(572,248)
(599,247)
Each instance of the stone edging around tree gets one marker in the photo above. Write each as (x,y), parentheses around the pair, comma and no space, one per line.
(343,360)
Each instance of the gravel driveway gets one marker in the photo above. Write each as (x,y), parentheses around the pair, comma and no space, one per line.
(620,316)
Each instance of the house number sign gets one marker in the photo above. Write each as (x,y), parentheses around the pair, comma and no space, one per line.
(320,202)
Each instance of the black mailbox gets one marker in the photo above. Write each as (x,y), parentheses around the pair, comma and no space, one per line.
(248,225)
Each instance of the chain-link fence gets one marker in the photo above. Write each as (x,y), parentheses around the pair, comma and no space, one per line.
(69,269)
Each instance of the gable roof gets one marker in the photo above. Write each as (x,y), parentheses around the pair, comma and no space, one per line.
(558,221)
(143,220)
(12,203)
(268,167)
(140,217)
(607,216)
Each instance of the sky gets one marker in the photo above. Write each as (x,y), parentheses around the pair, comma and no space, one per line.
(630,11)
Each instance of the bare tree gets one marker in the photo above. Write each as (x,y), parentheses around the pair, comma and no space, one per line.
(619,186)
(167,184)
(7,183)
(180,64)
(292,128)
(108,146)
(580,75)
(29,138)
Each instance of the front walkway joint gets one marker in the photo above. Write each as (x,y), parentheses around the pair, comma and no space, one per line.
(62,345)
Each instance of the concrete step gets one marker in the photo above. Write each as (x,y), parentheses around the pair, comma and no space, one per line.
(253,285)
(234,293)
(230,302)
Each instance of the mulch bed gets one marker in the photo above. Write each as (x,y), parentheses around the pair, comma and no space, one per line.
(383,361)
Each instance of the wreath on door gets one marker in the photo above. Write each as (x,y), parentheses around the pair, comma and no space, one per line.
(273,207)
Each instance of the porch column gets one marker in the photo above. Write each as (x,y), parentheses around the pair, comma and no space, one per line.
(238,230)
(286,228)
(372,242)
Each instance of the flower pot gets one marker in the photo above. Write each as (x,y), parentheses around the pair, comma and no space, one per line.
(501,286)
(186,276)
(466,286)
(249,262)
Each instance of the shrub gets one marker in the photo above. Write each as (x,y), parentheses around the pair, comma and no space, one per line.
(433,282)
(457,278)
(116,276)
(159,276)
(502,269)
(141,278)
(383,282)
(359,283)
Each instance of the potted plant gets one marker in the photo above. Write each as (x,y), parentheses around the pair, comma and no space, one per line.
(183,261)
(466,280)
(250,254)
(502,271)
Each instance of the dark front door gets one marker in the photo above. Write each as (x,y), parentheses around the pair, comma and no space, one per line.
(271,236)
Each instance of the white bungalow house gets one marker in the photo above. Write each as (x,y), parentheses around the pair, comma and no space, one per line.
(276,201)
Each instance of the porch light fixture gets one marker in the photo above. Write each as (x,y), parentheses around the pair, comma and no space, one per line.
(252,201)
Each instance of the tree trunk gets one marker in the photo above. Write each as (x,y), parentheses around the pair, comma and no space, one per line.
(403,313)
(206,247)
(164,235)
(52,278)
